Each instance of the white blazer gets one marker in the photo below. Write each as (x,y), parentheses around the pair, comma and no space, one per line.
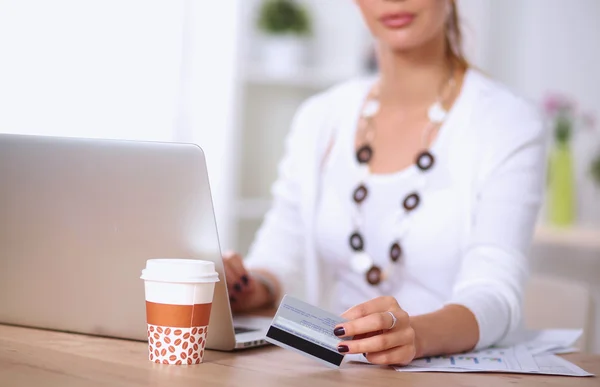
(497,163)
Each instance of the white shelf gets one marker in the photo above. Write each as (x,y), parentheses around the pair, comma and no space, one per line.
(309,78)
(253,208)
(575,237)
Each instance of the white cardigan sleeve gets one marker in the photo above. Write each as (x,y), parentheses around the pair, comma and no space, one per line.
(495,266)
(278,246)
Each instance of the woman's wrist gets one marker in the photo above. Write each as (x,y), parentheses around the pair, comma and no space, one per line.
(268,288)
(448,330)
(420,336)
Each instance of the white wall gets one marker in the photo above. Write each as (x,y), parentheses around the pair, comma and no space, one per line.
(558,49)
(343,40)
(541,46)
(89,68)
(476,18)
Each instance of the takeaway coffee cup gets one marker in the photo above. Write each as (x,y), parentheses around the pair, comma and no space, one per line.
(179,295)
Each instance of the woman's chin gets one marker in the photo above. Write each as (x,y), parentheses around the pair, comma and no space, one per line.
(399,45)
(405,41)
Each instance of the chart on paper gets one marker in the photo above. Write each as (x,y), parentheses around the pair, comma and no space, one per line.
(535,355)
(491,359)
(466,361)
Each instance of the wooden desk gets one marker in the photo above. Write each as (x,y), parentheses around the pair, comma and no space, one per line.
(30,357)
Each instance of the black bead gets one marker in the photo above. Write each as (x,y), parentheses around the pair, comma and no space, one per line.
(364,154)
(425,160)
(356,242)
(395,252)
(374,275)
(411,201)
(360,193)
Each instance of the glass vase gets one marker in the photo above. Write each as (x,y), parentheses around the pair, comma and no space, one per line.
(561,190)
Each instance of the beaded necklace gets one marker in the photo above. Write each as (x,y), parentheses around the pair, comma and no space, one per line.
(360,261)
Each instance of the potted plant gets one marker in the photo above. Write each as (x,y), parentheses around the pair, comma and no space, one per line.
(561,180)
(284,26)
(565,120)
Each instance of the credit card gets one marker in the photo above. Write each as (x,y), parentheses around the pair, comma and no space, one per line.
(307,330)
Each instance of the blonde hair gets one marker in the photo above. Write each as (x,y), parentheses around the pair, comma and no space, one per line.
(454,49)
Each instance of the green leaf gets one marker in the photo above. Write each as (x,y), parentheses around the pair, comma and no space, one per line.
(595,170)
(279,17)
(563,129)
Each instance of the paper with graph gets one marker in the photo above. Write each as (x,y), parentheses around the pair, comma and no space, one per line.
(532,352)
(534,356)
(507,359)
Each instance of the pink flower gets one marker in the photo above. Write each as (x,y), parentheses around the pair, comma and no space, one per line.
(555,103)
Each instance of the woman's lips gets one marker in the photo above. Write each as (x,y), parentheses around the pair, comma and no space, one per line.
(397,20)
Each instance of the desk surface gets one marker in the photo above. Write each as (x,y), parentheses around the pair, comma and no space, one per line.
(30,357)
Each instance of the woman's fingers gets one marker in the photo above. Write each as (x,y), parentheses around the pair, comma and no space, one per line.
(232,276)
(396,356)
(376,322)
(242,282)
(380,330)
(379,304)
(380,342)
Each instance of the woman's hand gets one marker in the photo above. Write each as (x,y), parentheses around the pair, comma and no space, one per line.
(245,292)
(382,339)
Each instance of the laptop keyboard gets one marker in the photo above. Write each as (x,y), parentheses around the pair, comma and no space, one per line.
(243,330)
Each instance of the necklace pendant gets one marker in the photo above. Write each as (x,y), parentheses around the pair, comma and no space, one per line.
(356,242)
(436,113)
(395,252)
(361,262)
(360,194)
(364,154)
(374,275)
(425,160)
(411,201)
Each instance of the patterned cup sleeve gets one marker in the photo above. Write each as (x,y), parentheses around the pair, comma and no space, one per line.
(178,346)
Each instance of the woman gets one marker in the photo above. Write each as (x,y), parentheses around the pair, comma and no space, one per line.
(408,200)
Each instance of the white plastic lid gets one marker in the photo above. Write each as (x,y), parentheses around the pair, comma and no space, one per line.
(180,271)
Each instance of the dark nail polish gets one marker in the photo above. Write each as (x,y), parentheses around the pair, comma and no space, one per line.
(232,299)
(245,279)
(339,331)
(237,287)
(364,354)
(343,348)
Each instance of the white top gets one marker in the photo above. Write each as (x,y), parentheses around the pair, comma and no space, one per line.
(468,239)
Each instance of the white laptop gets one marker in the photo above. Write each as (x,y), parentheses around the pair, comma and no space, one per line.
(80,217)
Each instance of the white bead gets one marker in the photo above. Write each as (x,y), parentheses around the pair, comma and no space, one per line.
(437,113)
(360,262)
(371,108)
